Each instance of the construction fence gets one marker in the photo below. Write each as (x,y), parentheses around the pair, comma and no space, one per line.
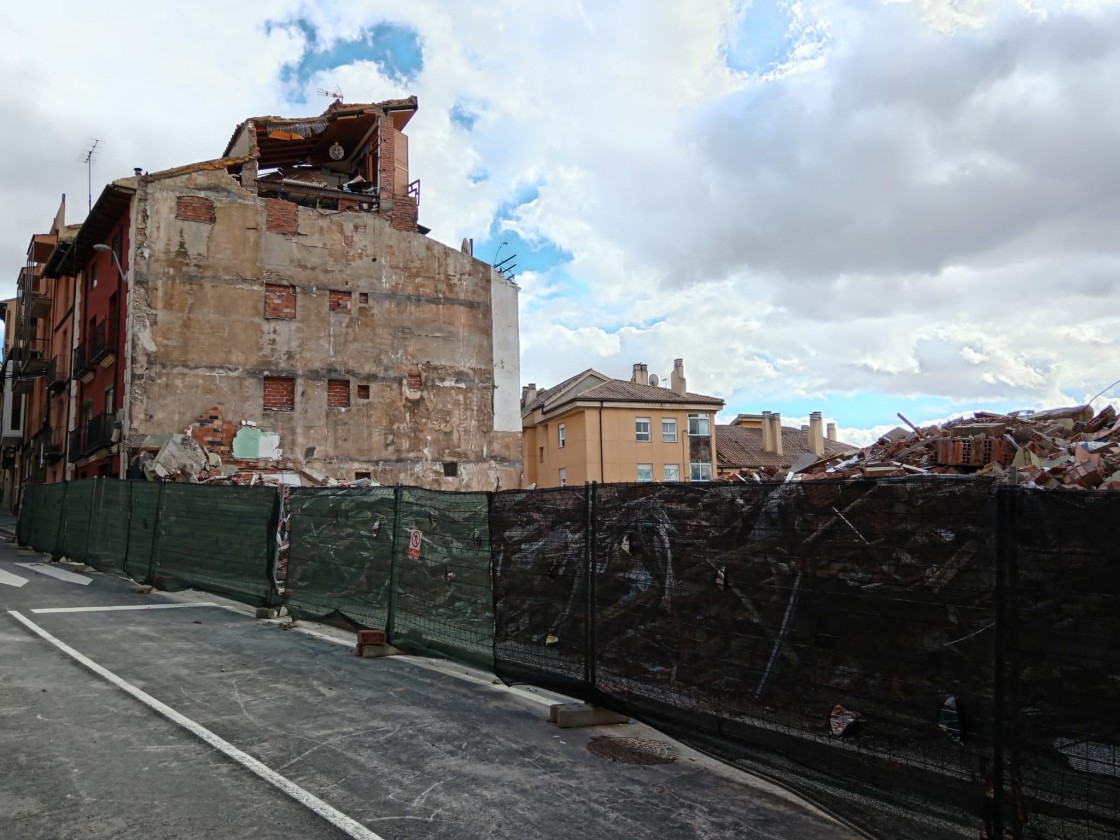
(928,657)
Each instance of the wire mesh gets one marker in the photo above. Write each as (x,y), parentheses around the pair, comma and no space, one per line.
(74,542)
(340,554)
(539,546)
(442,600)
(143,520)
(109,526)
(220,539)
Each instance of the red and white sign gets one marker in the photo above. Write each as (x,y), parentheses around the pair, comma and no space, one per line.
(414,544)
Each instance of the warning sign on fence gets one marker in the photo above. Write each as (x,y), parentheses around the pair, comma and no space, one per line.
(414,544)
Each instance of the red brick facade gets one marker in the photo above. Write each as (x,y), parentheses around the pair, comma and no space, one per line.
(279,301)
(339,301)
(281,216)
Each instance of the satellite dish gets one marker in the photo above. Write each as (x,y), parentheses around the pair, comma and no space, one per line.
(653,380)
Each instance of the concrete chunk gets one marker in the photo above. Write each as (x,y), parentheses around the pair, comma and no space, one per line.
(573,715)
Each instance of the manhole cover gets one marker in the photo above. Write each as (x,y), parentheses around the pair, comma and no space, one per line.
(632,750)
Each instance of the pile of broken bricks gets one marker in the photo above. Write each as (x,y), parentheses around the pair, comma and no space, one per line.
(1061,448)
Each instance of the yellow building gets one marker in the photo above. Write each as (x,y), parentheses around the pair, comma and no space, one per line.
(594,428)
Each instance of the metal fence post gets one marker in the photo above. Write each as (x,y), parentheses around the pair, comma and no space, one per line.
(60,531)
(153,557)
(89,522)
(590,554)
(390,616)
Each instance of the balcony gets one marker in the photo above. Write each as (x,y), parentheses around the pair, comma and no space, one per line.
(57,375)
(81,368)
(103,342)
(30,356)
(75,445)
(52,443)
(39,305)
(99,433)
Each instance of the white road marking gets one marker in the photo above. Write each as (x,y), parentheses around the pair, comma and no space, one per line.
(122,608)
(59,574)
(11,580)
(339,820)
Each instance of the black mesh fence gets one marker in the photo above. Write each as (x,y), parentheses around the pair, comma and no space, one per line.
(41,517)
(340,557)
(144,503)
(109,526)
(77,519)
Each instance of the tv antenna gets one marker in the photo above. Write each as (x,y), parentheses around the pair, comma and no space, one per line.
(335,94)
(88,161)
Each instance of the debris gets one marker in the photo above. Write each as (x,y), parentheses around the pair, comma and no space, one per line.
(841,720)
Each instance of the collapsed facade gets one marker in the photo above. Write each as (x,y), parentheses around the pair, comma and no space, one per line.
(282,307)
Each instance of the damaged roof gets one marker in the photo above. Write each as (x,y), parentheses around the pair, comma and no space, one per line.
(115,199)
(283,141)
(738,447)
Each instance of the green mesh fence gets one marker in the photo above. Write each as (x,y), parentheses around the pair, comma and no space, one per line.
(341,554)
(42,509)
(76,519)
(109,526)
(442,598)
(220,539)
(27,512)
(144,504)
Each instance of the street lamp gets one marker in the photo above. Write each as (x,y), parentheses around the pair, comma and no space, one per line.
(102,248)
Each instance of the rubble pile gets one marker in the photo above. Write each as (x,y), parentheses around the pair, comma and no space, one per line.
(1061,448)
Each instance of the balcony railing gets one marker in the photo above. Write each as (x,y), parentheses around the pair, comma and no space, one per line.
(99,433)
(76,450)
(31,356)
(57,374)
(81,368)
(103,342)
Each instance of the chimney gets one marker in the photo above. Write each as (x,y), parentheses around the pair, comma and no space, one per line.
(528,394)
(776,431)
(640,375)
(830,431)
(679,383)
(767,444)
(816,434)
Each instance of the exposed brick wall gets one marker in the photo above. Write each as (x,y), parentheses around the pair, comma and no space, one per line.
(404,214)
(339,301)
(281,216)
(194,208)
(279,393)
(279,301)
(338,393)
(363,392)
(363,297)
(212,432)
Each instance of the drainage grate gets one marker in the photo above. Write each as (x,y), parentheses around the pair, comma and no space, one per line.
(632,750)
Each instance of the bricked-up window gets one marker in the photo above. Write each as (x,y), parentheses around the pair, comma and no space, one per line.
(279,301)
(363,297)
(450,469)
(279,393)
(338,393)
(363,392)
(194,208)
(414,381)
(339,301)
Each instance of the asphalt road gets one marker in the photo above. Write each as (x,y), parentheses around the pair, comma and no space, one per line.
(194,719)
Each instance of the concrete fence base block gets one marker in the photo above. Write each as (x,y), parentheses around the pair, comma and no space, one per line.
(573,715)
(267,612)
(374,651)
(27,552)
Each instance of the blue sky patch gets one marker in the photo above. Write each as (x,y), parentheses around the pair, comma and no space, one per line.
(395,49)
(763,40)
(463,116)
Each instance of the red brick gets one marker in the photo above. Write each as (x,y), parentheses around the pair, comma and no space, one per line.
(339,301)
(281,216)
(279,393)
(363,392)
(194,208)
(338,393)
(279,301)
(371,637)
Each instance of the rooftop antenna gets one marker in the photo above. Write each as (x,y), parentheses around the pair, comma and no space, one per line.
(88,161)
(336,94)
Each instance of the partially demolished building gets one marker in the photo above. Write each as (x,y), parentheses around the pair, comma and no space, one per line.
(281,309)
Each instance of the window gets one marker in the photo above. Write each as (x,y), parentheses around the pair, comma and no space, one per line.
(279,393)
(358,476)
(450,469)
(363,297)
(672,472)
(699,425)
(279,301)
(563,477)
(669,429)
(339,301)
(645,472)
(338,393)
(414,381)
(641,429)
(561,429)
(110,405)
(93,276)
(700,471)
(363,392)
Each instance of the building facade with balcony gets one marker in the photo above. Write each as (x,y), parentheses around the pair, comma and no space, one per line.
(595,428)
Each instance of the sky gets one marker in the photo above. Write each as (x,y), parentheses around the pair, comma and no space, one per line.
(858,208)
